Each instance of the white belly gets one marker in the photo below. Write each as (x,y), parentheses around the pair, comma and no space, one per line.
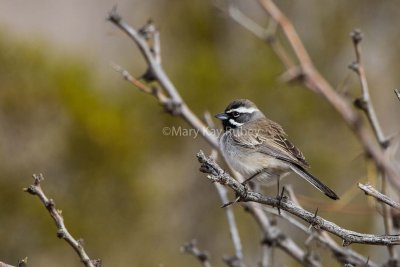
(248,163)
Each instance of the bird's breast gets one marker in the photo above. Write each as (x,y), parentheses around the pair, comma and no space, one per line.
(247,161)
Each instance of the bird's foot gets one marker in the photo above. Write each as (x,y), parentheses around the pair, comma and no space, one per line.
(280,197)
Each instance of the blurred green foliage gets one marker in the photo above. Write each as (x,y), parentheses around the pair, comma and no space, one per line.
(133,194)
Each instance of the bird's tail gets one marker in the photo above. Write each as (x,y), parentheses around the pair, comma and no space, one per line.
(314,181)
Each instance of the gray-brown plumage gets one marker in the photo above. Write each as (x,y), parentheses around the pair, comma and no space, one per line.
(256,146)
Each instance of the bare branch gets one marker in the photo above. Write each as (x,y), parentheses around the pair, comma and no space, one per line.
(247,23)
(62,232)
(315,82)
(208,165)
(365,103)
(156,92)
(192,249)
(371,191)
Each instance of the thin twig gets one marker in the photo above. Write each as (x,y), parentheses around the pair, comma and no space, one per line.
(217,174)
(62,232)
(371,191)
(192,249)
(365,103)
(127,76)
(246,22)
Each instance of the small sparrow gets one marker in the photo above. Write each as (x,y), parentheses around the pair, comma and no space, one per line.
(255,146)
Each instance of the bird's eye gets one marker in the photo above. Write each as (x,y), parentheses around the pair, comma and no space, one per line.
(235,114)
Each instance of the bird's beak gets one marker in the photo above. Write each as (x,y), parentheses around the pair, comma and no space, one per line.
(221,116)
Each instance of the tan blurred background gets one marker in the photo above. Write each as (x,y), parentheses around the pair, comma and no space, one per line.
(134,195)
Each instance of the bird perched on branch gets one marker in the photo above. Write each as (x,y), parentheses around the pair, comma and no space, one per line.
(257,147)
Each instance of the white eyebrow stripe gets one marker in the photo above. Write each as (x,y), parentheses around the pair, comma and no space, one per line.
(242,110)
(233,122)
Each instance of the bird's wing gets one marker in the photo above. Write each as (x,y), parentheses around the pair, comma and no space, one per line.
(268,137)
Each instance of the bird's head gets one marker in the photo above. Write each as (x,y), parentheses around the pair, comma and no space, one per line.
(238,113)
